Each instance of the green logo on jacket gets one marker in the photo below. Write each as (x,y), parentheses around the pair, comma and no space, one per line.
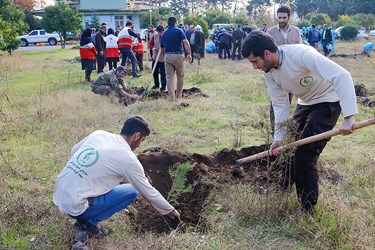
(308,82)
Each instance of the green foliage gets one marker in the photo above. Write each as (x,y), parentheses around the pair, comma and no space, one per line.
(303,23)
(34,24)
(192,19)
(365,20)
(344,20)
(349,32)
(95,21)
(11,25)
(320,19)
(61,18)
(241,19)
(216,16)
(159,17)
(204,26)
(178,176)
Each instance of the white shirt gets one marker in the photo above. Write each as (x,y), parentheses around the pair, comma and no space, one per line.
(98,163)
(312,78)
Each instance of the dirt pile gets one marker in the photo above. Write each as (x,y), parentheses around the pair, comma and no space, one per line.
(217,170)
(155,94)
(208,171)
(364,96)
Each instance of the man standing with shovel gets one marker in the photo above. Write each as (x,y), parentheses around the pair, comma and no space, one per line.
(323,88)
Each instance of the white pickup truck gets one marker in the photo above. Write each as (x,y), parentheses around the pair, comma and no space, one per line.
(39,36)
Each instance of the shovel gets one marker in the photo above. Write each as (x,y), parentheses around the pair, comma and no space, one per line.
(305,141)
(151,75)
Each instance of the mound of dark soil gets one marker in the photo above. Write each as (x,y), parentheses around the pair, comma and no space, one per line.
(362,95)
(208,172)
(217,170)
(156,94)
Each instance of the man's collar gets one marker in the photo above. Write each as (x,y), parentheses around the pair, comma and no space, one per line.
(281,58)
(287,30)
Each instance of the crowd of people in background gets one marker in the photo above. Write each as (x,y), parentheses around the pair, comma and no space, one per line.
(104,45)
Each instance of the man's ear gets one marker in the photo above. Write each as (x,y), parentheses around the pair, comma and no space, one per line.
(137,135)
(267,54)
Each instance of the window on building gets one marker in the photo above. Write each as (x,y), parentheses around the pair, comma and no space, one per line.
(130,18)
(119,21)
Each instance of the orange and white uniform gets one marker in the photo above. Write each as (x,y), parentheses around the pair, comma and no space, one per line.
(87,51)
(125,40)
(111,49)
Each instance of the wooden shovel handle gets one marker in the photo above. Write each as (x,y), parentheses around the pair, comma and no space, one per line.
(305,141)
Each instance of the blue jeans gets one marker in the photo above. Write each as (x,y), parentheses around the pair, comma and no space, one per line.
(104,206)
(125,53)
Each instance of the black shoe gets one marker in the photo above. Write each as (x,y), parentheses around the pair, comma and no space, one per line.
(155,87)
(92,230)
(137,75)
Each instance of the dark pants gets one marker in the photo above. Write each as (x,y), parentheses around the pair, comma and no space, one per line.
(236,46)
(192,50)
(112,65)
(310,120)
(140,61)
(159,69)
(325,49)
(224,48)
(100,59)
(125,53)
(88,74)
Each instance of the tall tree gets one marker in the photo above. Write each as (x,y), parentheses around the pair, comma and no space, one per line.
(30,19)
(179,8)
(361,6)
(255,6)
(11,25)
(305,7)
(61,18)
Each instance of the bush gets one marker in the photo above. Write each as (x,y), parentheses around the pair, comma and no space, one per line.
(304,23)
(349,32)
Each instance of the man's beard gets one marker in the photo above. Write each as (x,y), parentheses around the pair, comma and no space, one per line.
(268,65)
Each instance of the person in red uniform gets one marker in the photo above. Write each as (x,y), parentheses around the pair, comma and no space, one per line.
(111,49)
(87,53)
(139,50)
(125,45)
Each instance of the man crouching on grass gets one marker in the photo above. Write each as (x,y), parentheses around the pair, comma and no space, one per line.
(323,88)
(88,188)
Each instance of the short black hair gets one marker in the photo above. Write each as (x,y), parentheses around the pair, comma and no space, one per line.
(120,69)
(172,21)
(128,23)
(135,124)
(257,42)
(283,8)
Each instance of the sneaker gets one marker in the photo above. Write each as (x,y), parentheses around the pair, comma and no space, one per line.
(96,232)
(80,246)
(91,230)
(137,75)
(155,87)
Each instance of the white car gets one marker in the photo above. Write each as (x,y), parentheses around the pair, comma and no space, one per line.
(39,36)
(372,34)
(143,34)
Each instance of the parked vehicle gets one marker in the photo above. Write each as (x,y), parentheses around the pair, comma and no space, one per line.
(372,34)
(39,36)
(143,34)
(361,33)
(221,25)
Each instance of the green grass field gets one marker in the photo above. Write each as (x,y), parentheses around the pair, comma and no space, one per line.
(45,108)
